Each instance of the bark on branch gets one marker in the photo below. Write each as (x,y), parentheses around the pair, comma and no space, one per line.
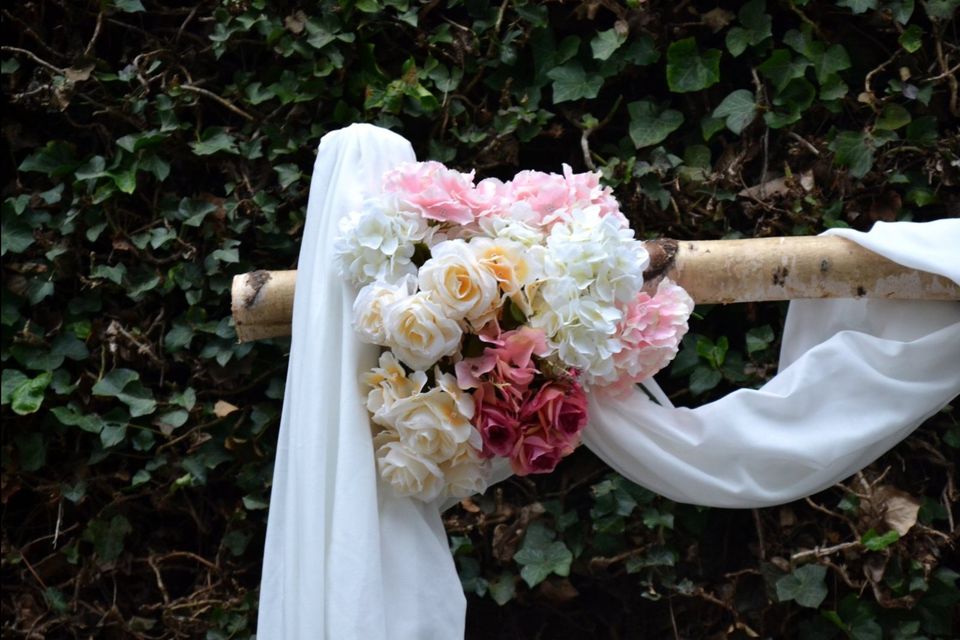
(712,271)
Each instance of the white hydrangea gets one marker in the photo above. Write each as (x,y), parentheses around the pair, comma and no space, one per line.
(593,267)
(378,242)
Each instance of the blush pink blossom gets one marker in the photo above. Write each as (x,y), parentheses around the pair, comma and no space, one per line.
(433,191)
(552,196)
(650,332)
(551,422)
(508,362)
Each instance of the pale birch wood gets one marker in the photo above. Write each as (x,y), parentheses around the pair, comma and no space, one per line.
(712,271)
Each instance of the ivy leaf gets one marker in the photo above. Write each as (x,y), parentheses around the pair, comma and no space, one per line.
(650,125)
(941,9)
(893,117)
(703,379)
(128,6)
(857,6)
(688,69)
(27,396)
(570,82)
(124,385)
(755,27)
(876,542)
(805,586)
(759,338)
(780,68)
(541,560)
(214,140)
(739,108)
(854,149)
(911,38)
(606,42)
(108,537)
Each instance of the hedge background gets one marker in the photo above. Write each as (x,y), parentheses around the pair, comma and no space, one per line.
(155,149)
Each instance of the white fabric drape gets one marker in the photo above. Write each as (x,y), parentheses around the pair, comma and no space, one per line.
(344,559)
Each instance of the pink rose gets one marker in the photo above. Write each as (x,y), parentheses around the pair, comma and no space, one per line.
(560,410)
(534,455)
(509,361)
(496,420)
(434,191)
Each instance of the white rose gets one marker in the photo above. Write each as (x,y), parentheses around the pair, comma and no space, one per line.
(368,307)
(419,332)
(389,383)
(466,474)
(459,284)
(514,265)
(435,424)
(408,474)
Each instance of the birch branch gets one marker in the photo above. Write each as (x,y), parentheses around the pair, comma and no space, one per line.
(712,272)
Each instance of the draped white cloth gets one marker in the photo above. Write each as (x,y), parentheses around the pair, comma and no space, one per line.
(345,559)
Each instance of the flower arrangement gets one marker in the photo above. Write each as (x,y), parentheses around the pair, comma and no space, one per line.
(499,305)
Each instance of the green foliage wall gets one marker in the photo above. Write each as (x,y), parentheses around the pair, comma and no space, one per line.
(155,149)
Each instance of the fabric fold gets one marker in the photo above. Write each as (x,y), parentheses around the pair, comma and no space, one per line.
(345,558)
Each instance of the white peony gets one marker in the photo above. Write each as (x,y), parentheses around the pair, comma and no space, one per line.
(418,331)
(458,283)
(370,302)
(378,242)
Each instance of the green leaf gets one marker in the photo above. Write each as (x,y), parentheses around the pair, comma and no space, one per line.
(738,108)
(287,174)
(11,380)
(893,117)
(911,38)
(650,125)
(780,68)
(759,338)
(755,27)
(606,42)
(858,6)
(703,379)
(876,542)
(923,131)
(570,82)
(806,586)
(503,588)
(688,69)
(27,397)
(539,560)
(941,9)
(214,140)
(854,149)
(124,384)
(70,417)
(128,6)
(54,159)
(108,537)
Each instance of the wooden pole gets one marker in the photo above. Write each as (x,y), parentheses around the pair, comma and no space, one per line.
(712,272)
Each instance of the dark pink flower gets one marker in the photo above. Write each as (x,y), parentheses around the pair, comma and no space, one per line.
(534,455)
(496,420)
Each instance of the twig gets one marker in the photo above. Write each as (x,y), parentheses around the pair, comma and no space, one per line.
(820,552)
(95,36)
(804,142)
(34,57)
(226,103)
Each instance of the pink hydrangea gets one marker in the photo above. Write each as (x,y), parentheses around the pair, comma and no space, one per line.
(433,190)
(551,196)
(650,332)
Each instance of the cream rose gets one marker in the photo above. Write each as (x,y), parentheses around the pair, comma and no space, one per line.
(436,424)
(368,307)
(419,332)
(459,284)
(512,264)
(466,474)
(406,472)
(389,383)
